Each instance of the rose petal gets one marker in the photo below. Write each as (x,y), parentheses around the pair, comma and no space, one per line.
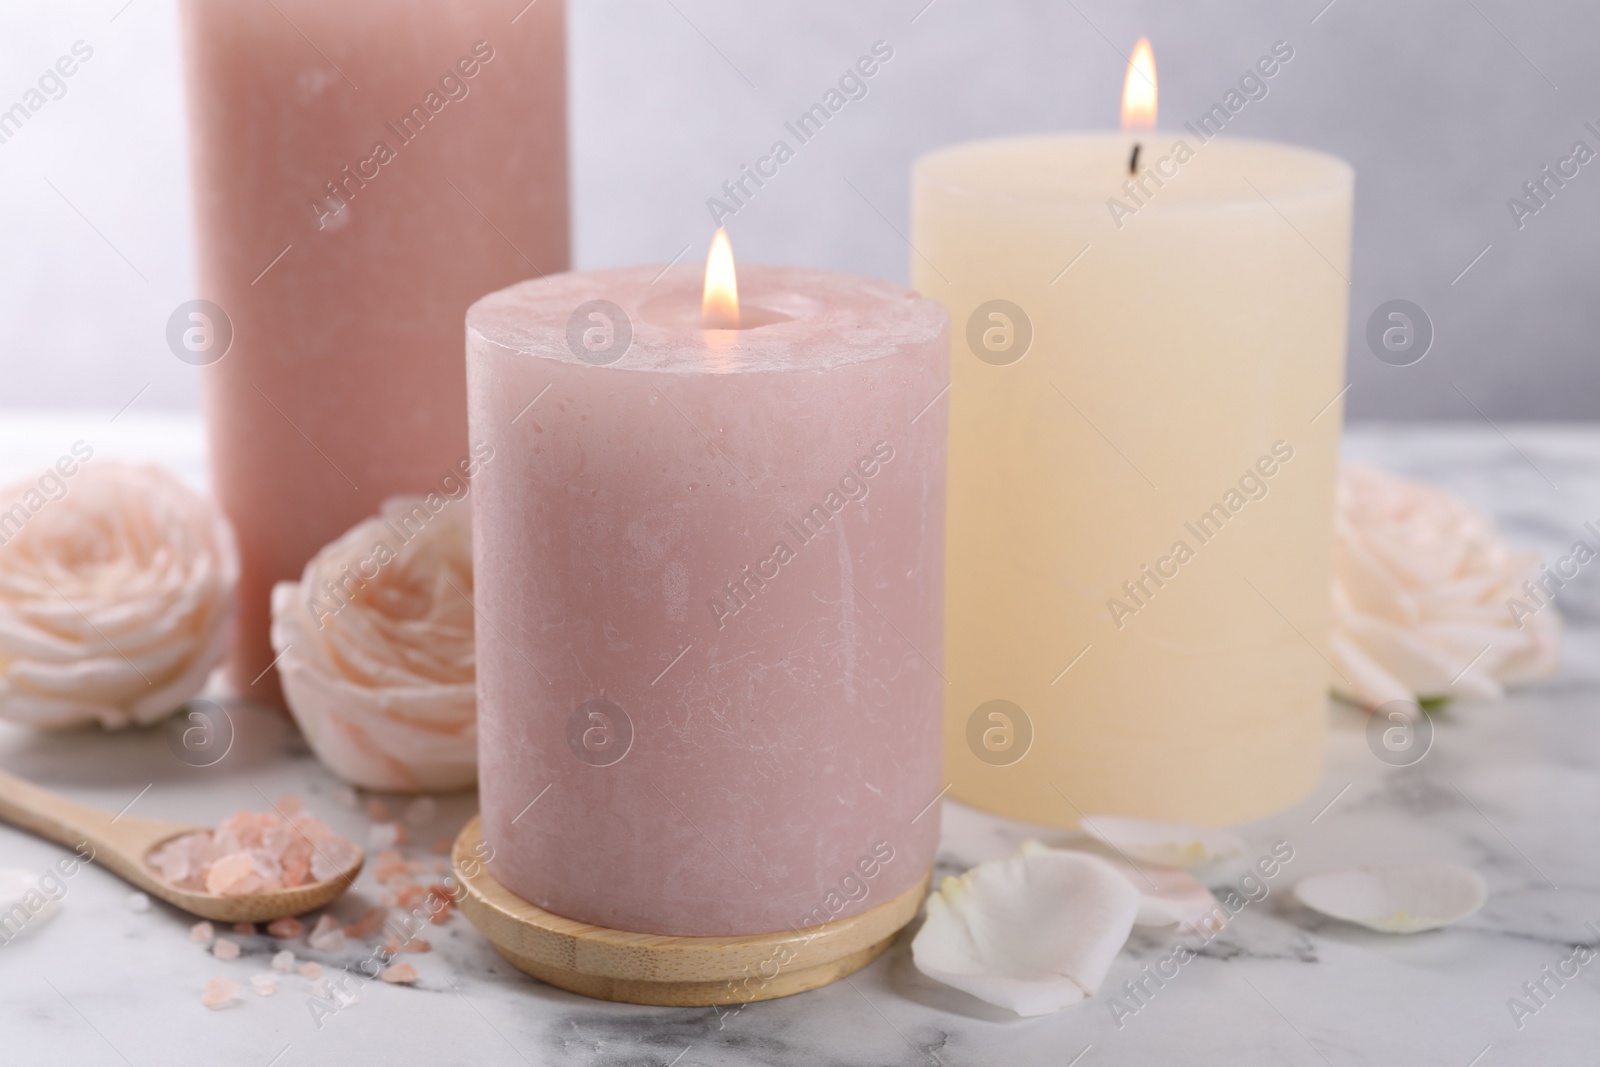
(1403,899)
(1033,933)
(1162,844)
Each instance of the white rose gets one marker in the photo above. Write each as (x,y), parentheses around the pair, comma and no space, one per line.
(116,594)
(376,653)
(1426,595)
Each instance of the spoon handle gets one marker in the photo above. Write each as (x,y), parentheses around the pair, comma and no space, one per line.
(119,841)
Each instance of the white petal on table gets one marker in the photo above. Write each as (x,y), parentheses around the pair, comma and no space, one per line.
(1034,933)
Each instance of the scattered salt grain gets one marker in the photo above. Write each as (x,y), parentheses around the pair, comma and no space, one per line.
(247,929)
(283,962)
(377,810)
(421,812)
(225,949)
(201,933)
(399,974)
(138,902)
(385,835)
(219,993)
(327,935)
(443,846)
(309,969)
(286,929)
(289,805)
(264,984)
(368,924)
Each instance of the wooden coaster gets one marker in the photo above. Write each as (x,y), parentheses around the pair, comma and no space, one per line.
(666,970)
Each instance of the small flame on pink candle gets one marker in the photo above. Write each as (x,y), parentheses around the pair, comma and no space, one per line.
(719,306)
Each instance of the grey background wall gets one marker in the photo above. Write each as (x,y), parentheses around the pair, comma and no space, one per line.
(1446,107)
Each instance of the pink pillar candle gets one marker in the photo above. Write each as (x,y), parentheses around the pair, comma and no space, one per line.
(709,581)
(362,173)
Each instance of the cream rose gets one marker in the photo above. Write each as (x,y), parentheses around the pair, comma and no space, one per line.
(116,593)
(1424,596)
(375,645)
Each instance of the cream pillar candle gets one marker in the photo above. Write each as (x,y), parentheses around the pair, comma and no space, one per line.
(708,576)
(1144,421)
(362,172)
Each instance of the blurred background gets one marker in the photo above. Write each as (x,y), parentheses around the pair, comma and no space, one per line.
(1445,107)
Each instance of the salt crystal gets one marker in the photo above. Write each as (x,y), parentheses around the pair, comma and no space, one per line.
(289,805)
(283,962)
(421,812)
(247,929)
(322,989)
(327,935)
(443,846)
(368,924)
(417,944)
(377,811)
(264,984)
(225,949)
(253,852)
(389,865)
(138,902)
(201,933)
(400,973)
(219,993)
(286,929)
(309,969)
(384,835)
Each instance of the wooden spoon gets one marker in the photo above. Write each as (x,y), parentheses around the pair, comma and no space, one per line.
(123,843)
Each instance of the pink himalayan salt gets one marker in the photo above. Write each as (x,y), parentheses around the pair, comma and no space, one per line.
(201,933)
(246,929)
(252,852)
(283,962)
(444,845)
(286,929)
(390,864)
(368,924)
(289,805)
(377,811)
(399,973)
(394,946)
(264,984)
(386,835)
(327,935)
(219,993)
(225,949)
(309,970)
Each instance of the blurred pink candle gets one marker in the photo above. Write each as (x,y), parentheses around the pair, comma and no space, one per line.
(362,172)
(709,583)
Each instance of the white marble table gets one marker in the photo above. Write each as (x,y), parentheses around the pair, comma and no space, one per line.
(1512,789)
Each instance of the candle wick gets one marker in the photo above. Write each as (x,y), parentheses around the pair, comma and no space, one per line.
(1133,160)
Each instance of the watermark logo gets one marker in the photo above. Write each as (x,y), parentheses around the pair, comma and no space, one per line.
(201,733)
(999,332)
(999,733)
(599,333)
(599,732)
(1399,733)
(1399,333)
(199,332)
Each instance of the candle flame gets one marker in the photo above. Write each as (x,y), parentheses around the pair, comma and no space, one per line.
(1139,89)
(719,306)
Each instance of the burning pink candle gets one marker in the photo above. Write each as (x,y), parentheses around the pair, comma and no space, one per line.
(709,579)
(363,172)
